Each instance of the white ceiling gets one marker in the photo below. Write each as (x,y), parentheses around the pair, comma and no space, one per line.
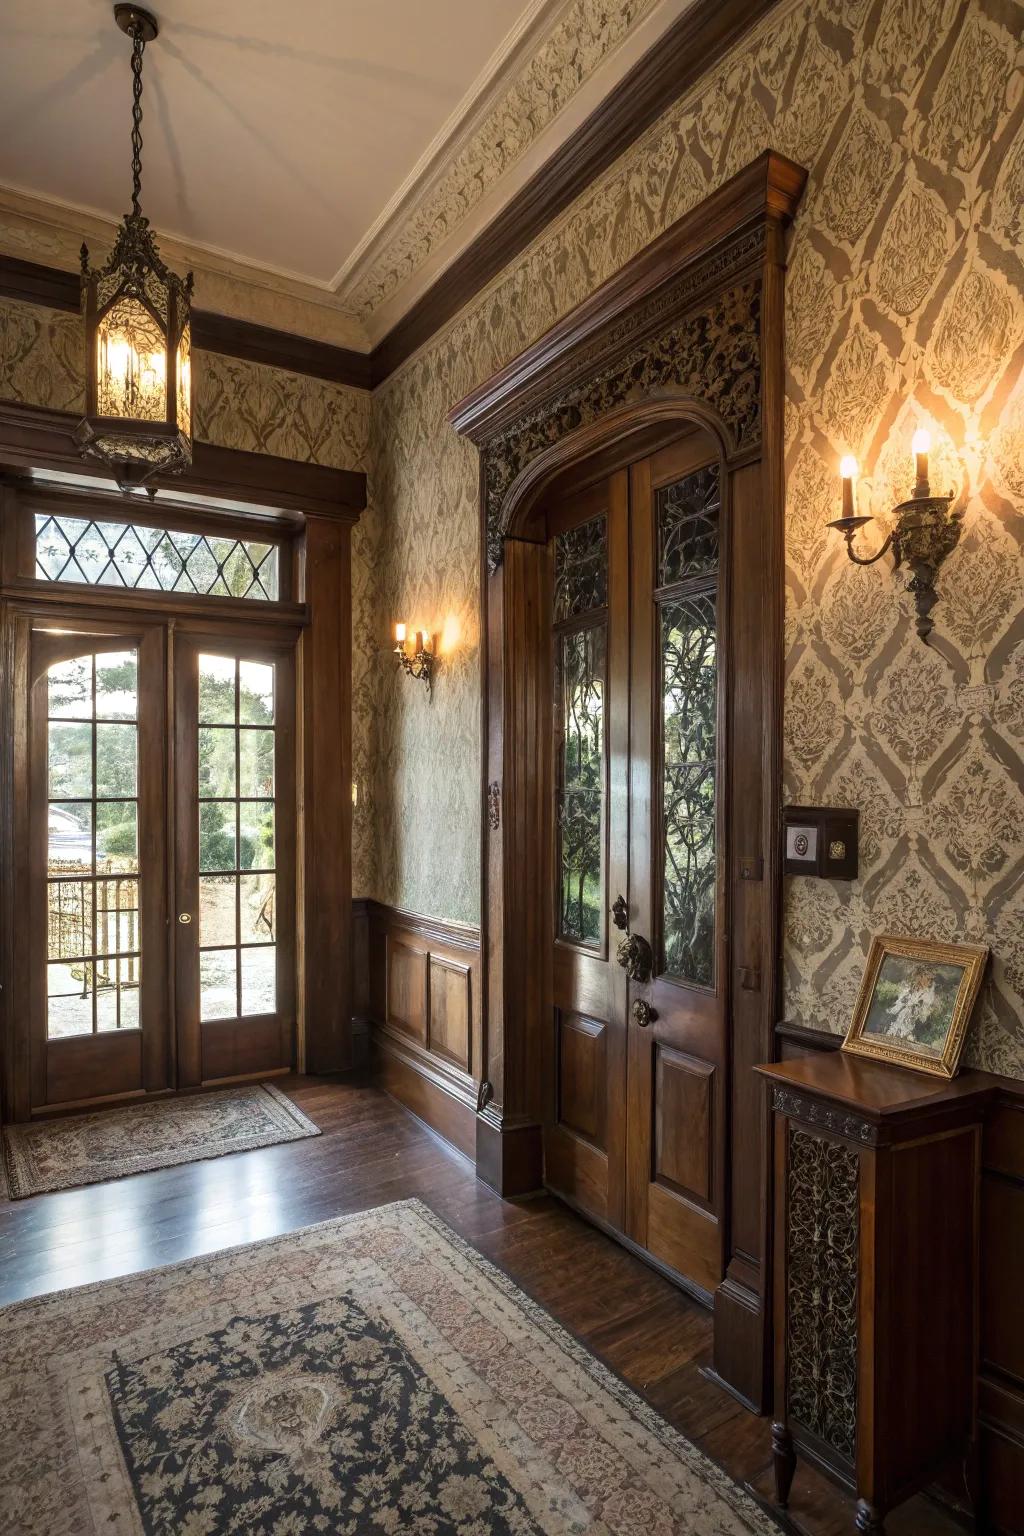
(298,146)
(275,132)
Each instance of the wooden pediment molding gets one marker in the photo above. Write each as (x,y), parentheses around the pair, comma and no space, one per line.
(681,325)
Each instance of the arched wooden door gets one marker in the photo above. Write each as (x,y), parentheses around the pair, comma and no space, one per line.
(636,1055)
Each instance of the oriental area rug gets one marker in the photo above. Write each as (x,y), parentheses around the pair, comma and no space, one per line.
(369,1376)
(89,1149)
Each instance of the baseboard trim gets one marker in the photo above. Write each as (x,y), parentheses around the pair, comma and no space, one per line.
(428,1095)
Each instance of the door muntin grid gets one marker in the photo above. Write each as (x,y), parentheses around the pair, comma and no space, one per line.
(110,554)
(94,948)
(237,833)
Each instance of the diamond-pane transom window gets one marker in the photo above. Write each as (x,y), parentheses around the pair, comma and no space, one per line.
(155,559)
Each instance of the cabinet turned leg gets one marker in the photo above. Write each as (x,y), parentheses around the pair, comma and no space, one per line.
(784,1461)
(868,1519)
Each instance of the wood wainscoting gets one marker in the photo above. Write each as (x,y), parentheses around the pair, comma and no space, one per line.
(1000,1476)
(419,1014)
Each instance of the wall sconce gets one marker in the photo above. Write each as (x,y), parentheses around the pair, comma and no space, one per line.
(925,533)
(418,663)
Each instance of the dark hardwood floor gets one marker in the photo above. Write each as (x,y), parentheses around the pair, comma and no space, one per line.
(372,1151)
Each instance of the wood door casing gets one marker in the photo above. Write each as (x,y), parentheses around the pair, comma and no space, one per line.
(99,1064)
(635,1115)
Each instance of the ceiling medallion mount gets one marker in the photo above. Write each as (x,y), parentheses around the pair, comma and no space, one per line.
(130,17)
(138,387)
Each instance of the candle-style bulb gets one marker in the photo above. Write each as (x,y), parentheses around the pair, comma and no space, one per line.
(848,470)
(922,447)
(400,634)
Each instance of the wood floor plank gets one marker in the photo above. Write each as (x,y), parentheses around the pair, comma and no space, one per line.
(370,1152)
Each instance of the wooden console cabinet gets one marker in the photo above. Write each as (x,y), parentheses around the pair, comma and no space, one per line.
(877,1188)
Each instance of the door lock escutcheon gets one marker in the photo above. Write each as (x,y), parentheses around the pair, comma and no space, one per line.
(620,912)
(184,918)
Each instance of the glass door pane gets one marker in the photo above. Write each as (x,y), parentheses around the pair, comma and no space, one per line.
(94,943)
(687,525)
(236,744)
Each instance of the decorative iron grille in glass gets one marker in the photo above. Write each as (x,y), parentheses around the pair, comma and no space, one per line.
(688,513)
(581,569)
(688,546)
(580,693)
(108,554)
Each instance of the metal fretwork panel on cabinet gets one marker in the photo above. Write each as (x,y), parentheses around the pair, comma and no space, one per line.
(822,1183)
(877,1183)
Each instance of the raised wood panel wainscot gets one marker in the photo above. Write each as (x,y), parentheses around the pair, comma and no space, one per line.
(1000,1476)
(418,999)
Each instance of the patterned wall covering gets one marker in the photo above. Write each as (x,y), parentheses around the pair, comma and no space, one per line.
(243,405)
(238,404)
(905,305)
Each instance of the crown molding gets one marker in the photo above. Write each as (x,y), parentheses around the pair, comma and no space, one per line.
(537,20)
(691,47)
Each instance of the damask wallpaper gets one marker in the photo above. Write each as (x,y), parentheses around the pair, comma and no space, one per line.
(905,306)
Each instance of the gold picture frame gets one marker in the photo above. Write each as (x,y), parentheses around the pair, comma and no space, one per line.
(915,1002)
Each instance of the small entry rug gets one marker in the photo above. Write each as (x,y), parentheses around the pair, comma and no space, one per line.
(372,1376)
(88,1149)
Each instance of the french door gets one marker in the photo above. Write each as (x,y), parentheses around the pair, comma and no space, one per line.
(636,1058)
(160,828)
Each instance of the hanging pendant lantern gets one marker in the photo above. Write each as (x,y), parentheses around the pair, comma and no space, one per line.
(138,390)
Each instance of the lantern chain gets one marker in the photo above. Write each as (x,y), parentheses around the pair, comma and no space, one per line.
(138,46)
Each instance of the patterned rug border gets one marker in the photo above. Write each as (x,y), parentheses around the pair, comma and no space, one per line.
(15,1172)
(765,1520)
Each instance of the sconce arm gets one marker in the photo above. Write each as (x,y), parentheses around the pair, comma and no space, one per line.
(848,527)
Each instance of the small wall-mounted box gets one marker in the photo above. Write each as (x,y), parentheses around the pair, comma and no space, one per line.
(820,840)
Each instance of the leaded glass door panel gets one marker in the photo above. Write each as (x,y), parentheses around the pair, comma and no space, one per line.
(96,926)
(235,859)
(584,1139)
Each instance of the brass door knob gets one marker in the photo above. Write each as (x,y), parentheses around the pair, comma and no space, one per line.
(620,912)
(643,1013)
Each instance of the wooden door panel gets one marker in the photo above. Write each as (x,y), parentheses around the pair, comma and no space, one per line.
(583,1076)
(77,1073)
(683,1123)
(678,858)
(96,854)
(579,1171)
(684,1237)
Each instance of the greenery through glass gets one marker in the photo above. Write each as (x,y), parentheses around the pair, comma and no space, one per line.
(689,731)
(93,935)
(580,696)
(236,758)
(156,559)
